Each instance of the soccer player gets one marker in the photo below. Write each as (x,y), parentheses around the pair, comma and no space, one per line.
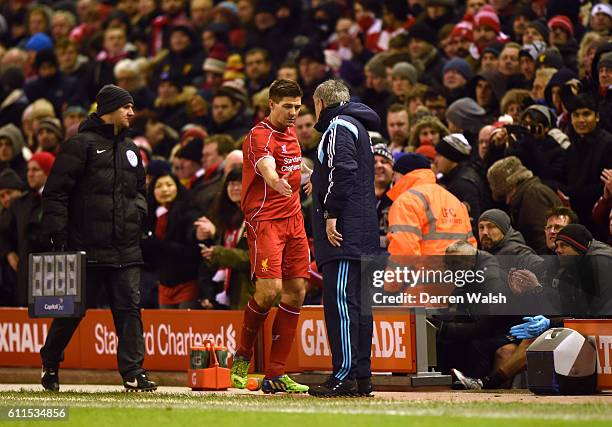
(278,247)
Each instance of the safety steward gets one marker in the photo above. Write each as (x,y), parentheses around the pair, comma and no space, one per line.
(424,218)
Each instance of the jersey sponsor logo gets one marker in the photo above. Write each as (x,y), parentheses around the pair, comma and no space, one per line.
(264,265)
(132,158)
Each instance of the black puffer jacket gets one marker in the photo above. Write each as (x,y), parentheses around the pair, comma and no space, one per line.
(343,182)
(94,199)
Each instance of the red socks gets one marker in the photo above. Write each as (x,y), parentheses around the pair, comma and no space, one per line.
(254,316)
(283,333)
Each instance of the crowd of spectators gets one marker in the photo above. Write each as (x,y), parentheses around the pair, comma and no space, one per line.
(526,85)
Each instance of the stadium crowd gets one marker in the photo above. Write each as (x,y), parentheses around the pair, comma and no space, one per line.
(500,108)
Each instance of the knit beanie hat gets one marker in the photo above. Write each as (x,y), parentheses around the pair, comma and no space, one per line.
(383,151)
(376,65)
(111,98)
(10,180)
(51,124)
(466,114)
(45,161)
(13,134)
(423,32)
(563,22)
(605,60)
(460,65)
(406,71)
(214,65)
(577,236)
(504,174)
(602,8)
(497,217)
(192,151)
(427,150)
(486,16)
(411,161)
(454,147)
(540,27)
(463,29)
(158,168)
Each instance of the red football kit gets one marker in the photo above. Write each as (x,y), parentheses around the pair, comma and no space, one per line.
(278,246)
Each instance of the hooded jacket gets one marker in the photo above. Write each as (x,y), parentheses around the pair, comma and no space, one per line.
(94,199)
(17,163)
(343,182)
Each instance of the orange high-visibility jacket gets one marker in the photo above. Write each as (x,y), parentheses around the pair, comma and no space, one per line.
(424,218)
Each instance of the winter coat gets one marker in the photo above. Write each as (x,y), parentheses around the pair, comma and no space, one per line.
(11,108)
(236,127)
(425,218)
(527,207)
(94,199)
(343,183)
(467,185)
(544,157)
(241,288)
(583,286)
(587,157)
(176,257)
(186,66)
(21,232)
(60,90)
(513,252)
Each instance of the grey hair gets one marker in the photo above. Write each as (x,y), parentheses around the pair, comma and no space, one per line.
(332,92)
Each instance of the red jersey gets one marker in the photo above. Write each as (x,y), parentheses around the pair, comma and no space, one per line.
(259,201)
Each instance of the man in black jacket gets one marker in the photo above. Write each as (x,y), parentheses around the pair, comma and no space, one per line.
(345,227)
(94,201)
(460,177)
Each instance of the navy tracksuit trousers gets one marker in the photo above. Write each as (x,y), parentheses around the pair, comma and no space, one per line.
(348,319)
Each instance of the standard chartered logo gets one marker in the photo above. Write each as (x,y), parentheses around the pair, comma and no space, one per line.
(163,340)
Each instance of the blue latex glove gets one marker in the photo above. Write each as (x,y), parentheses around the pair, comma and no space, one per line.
(520,331)
(538,325)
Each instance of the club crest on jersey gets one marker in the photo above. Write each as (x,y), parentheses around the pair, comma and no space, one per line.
(264,265)
(284,149)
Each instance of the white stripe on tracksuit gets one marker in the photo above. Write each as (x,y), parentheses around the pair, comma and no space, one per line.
(345,322)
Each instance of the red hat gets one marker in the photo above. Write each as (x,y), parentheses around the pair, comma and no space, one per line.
(463,29)
(563,22)
(427,150)
(45,161)
(487,17)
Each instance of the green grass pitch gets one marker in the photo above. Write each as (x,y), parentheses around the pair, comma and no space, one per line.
(160,410)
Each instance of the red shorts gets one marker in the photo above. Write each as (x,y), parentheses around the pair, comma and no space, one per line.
(279,248)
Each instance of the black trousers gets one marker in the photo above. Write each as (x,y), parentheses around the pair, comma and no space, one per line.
(122,288)
(348,319)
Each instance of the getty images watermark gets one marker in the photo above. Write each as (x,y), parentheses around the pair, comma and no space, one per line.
(483,284)
(403,285)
